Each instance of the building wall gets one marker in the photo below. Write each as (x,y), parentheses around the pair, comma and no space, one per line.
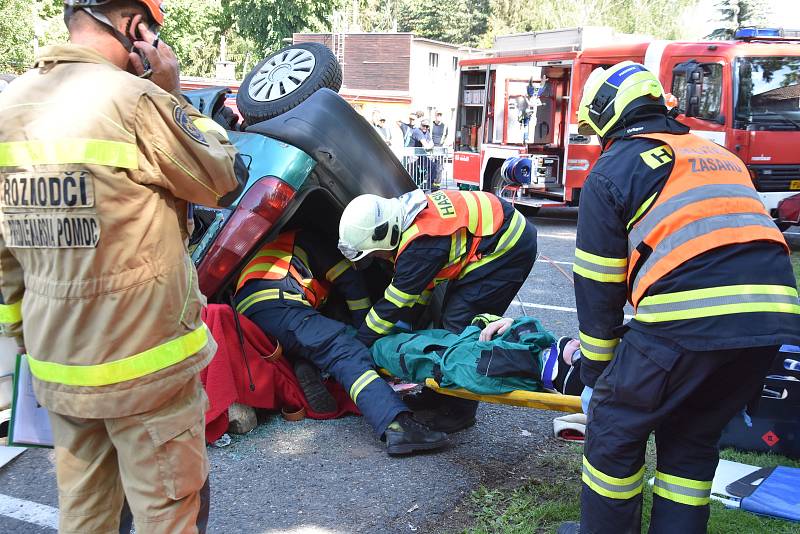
(434,87)
(372,61)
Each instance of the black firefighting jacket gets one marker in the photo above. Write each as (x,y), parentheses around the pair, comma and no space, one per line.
(616,188)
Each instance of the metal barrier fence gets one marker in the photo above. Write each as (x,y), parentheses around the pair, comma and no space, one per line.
(430,169)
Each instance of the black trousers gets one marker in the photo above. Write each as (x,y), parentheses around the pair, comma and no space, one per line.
(686,398)
(488,289)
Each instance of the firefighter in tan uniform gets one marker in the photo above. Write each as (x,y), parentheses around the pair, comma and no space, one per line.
(97,170)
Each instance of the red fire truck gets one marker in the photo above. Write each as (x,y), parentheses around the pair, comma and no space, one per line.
(521,101)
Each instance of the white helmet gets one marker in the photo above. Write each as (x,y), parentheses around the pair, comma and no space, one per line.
(370,223)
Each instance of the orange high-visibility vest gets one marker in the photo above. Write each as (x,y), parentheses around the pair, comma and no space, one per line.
(708,201)
(458,214)
(276,260)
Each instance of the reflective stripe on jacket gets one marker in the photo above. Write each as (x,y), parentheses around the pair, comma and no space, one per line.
(708,202)
(278,260)
(463,215)
(97,168)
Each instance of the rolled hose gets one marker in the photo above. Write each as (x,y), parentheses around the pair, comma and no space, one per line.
(517,170)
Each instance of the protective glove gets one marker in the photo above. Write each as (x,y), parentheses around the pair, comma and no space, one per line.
(586,396)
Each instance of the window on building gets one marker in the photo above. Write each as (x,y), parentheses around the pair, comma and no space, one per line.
(433,60)
(455,63)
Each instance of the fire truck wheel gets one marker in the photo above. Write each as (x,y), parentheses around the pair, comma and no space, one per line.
(500,189)
(286,78)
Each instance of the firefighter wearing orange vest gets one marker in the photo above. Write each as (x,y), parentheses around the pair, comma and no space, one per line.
(97,168)
(478,244)
(282,289)
(670,222)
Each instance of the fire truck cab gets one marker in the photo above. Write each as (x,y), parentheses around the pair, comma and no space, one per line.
(521,101)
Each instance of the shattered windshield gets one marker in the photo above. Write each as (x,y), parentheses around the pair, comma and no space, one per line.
(768,93)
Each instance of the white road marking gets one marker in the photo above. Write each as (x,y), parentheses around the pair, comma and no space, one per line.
(29,512)
(556,262)
(570,237)
(554,308)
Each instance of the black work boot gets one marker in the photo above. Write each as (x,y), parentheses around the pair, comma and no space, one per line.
(426,399)
(405,435)
(454,414)
(570,527)
(319,398)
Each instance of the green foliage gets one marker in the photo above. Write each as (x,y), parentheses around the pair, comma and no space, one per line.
(653,17)
(734,14)
(265,23)
(19,20)
(452,21)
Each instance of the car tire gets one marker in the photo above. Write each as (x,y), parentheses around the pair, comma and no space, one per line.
(286,78)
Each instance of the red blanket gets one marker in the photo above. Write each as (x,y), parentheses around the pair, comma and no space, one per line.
(276,387)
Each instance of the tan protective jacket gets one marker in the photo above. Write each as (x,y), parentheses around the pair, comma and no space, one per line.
(96,168)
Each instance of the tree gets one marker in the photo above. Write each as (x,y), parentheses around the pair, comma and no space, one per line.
(451,21)
(650,17)
(21,22)
(737,13)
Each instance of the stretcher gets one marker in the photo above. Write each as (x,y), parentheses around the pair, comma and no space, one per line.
(525,399)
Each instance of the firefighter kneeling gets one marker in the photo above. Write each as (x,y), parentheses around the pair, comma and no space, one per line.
(670,221)
(281,290)
(479,244)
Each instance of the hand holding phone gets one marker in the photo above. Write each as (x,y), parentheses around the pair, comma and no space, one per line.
(152,57)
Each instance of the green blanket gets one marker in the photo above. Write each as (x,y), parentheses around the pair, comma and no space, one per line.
(509,362)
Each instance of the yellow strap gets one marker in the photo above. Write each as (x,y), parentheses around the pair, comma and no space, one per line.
(360,304)
(644,207)
(472,211)
(596,349)
(506,242)
(204,124)
(337,270)
(412,231)
(11,313)
(75,150)
(600,260)
(268,294)
(136,366)
(612,487)
(487,215)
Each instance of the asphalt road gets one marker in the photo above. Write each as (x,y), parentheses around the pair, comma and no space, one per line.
(334,477)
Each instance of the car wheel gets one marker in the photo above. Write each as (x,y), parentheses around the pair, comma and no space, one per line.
(285,79)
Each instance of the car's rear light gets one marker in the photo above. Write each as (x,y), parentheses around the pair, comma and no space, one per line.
(259,208)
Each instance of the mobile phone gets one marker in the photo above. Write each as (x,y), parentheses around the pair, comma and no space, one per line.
(134,32)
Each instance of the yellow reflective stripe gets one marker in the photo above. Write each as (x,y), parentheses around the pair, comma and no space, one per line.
(302,255)
(682,490)
(266,267)
(715,311)
(472,212)
(612,487)
(425,297)
(412,231)
(399,298)
(376,324)
(596,349)
(268,294)
(600,260)
(487,215)
(11,313)
(599,268)
(204,124)
(136,366)
(361,382)
(716,301)
(360,304)
(70,150)
(506,242)
(643,208)
(720,291)
(337,270)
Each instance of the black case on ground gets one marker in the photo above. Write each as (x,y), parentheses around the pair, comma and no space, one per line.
(776,418)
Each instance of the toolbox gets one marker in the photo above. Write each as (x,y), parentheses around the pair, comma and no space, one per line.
(774,424)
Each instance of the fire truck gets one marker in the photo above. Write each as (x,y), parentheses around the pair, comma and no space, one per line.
(520,100)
